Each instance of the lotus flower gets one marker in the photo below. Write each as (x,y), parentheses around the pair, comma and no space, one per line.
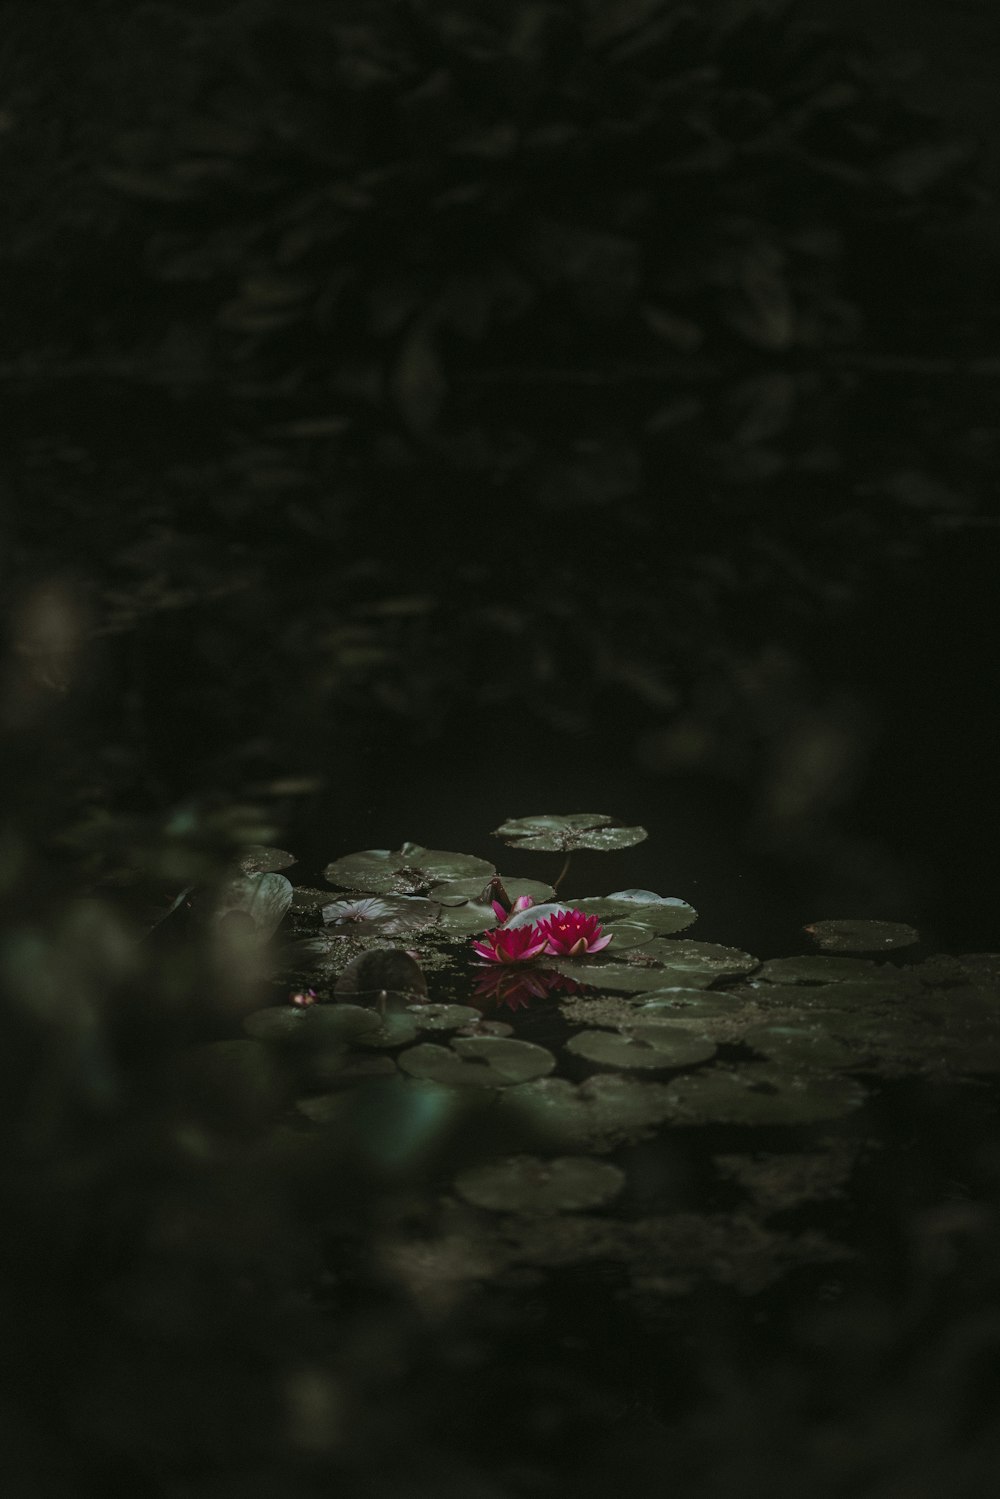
(516,944)
(571,934)
(521,904)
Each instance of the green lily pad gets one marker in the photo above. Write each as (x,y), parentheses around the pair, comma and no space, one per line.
(386,970)
(599,1114)
(654,1047)
(264,899)
(761,1094)
(466,920)
(661,915)
(617,977)
(458,892)
(683,955)
(317,1025)
(663,962)
(478,1061)
(686,1005)
(823,969)
(563,834)
(385,915)
(862,936)
(307,898)
(398,1028)
(443,1017)
(802,1046)
(256,858)
(626,934)
(408,870)
(528,1184)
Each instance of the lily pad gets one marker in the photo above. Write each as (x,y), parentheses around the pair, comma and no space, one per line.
(263,899)
(761,1094)
(443,1017)
(861,936)
(458,892)
(563,834)
(653,1046)
(478,1061)
(683,955)
(408,870)
(317,1025)
(823,969)
(386,915)
(605,974)
(259,859)
(398,1028)
(803,1046)
(467,919)
(386,970)
(686,1005)
(598,1114)
(528,1184)
(659,914)
(307,898)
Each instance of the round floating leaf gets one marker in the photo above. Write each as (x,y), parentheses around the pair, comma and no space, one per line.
(563,834)
(820,969)
(387,970)
(396,1029)
(458,892)
(385,915)
(683,1004)
(443,1017)
(263,898)
(605,974)
(626,934)
(478,1061)
(515,1061)
(409,870)
(800,1046)
(862,936)
(258,859)
(661,915)
(467,919)
(652,1046)
(761,1094)
(597,1115)
(317,1025)
(660,963)
(528,1184)
(683,955)
(306,898)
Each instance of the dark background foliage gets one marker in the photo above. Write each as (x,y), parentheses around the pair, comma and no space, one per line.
(418,415)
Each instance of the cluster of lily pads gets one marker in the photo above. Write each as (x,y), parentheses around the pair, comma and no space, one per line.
(645,1028)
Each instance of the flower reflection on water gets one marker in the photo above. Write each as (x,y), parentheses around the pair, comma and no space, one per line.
(516,990)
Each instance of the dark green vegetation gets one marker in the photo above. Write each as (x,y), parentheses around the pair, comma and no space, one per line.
(289,1205)
(416,413)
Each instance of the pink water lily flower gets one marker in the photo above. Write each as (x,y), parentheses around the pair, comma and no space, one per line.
(521,904)
(572,934)
(516,944)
